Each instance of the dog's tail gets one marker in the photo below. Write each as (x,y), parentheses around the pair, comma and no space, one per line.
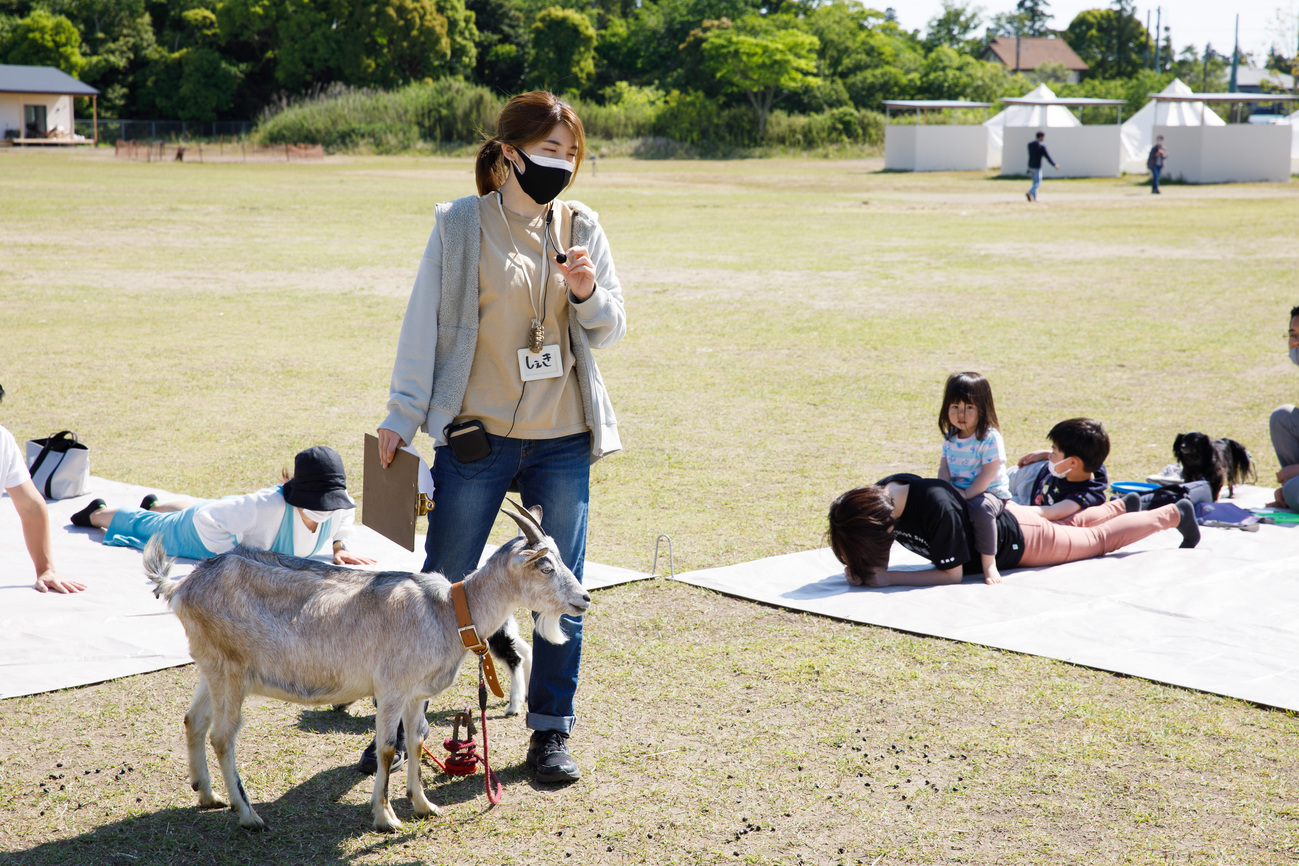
(157,567)
(1240,468)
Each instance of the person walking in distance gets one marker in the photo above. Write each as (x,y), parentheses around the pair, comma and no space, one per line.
(1155,162)
(1036,153)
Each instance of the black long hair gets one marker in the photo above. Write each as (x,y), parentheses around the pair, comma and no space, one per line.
(973,389)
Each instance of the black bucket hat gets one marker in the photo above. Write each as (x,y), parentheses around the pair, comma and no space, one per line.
(318,482)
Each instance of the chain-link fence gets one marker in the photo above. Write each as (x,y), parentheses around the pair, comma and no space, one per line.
(165,130)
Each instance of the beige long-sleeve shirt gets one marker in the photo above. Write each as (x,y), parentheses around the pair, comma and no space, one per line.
(513,281)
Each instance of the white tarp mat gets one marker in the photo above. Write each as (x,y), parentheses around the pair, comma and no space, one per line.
(1042,116)
(1221,618)
(116,628)
(1138,130)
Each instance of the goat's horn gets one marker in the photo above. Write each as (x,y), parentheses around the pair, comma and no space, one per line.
(527,523)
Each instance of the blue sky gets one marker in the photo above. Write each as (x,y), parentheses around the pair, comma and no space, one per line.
(1192,21)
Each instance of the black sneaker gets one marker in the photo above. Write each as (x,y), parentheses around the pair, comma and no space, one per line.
(549,758)
(369,763)
(82,517)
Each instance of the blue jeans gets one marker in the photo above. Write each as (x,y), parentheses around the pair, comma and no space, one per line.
(552,473)
(1155,172)
(1036,174)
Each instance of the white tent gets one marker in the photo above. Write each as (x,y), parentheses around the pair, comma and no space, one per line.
(1039,116)
(1138,130)
(1293,122)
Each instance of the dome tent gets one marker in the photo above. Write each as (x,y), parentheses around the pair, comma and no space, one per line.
(1041,116)
(1138,130)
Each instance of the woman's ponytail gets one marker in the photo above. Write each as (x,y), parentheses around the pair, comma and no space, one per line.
(488,166)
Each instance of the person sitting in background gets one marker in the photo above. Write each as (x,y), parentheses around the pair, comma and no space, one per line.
(1285,434)
(295,517)
(35,518)
(1071,475)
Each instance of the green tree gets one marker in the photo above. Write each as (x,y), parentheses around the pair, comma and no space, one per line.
(1112,42)
(195,84)
(1033,17)
(42,39)
(502,44)
(759,60)
(562,54)
(954,27)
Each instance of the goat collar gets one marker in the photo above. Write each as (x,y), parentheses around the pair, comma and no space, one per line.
(469,637)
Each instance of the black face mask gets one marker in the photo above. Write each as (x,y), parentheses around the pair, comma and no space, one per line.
(545,177)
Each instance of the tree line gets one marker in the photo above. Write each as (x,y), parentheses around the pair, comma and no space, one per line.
(203,60)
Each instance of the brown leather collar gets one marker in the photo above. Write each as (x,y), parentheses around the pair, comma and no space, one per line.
(469,637)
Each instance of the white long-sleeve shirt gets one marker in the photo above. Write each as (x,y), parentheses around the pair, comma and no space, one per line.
(255,520)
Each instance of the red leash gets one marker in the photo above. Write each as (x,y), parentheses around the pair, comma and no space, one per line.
(463,759)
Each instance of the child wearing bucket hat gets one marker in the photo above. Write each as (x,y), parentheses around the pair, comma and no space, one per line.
(296,517)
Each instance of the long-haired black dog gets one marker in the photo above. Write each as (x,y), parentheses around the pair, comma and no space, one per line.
(1217,461)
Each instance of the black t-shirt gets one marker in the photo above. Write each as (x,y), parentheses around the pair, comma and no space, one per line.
(935,525)
(1049,490)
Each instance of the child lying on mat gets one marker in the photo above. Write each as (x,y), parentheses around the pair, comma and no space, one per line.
(1059,483)
(294,518)
(928,516)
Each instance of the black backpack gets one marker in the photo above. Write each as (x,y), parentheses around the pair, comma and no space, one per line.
(1195,491)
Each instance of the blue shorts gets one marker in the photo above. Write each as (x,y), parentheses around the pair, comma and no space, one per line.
(133,527)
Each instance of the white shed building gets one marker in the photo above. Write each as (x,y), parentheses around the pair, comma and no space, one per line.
(1231,153)
(935,147)
(36,105)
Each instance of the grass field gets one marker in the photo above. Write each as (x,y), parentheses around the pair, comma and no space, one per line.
(790,327)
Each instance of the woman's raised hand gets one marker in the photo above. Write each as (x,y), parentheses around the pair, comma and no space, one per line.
(579,271)
(389,442)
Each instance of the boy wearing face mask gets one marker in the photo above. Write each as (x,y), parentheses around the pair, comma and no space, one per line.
(299,517)
(1285,434)
(1071,476)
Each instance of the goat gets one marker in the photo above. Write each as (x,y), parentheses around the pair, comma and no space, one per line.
(303,631)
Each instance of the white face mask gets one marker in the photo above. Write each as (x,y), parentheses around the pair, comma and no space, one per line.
(1294,355)
(1055,472)
(317,516)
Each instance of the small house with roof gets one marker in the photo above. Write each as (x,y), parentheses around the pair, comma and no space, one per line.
(36,105)
(1026,53)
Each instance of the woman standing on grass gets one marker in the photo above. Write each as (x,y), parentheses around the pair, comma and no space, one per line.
(514,291)
(928,516)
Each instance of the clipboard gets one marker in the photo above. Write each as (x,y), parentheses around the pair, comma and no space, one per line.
(391,498)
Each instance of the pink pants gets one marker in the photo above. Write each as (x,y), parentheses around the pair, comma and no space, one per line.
(1090,532)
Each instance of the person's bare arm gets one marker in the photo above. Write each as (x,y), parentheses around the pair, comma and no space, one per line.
(986,476)
(885,577)
(944,473)
(36,533)
(1059,511)
(1034,457)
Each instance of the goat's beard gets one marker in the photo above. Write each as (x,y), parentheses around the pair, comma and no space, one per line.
(548,626)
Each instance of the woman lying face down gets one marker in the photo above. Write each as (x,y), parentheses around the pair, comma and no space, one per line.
(928,517)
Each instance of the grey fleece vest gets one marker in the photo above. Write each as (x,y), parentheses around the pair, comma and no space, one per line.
(458,311)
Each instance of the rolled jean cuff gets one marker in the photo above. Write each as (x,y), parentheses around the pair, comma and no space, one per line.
(563,724)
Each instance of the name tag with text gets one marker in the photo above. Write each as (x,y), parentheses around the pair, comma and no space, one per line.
(545,364)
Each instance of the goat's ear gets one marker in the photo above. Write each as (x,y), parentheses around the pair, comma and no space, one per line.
(539,553)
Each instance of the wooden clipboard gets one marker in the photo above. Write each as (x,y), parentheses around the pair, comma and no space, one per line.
(390,498)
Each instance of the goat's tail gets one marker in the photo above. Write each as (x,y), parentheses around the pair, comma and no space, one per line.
(157,567)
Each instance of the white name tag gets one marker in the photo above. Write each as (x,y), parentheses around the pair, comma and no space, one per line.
(545,364)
